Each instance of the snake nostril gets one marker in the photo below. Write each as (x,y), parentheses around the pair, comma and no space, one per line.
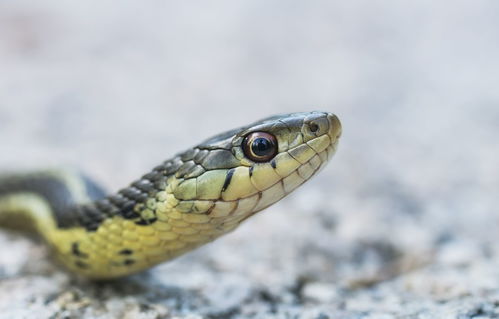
(313,127)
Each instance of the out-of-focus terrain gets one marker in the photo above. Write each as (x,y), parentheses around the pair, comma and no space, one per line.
(402,224)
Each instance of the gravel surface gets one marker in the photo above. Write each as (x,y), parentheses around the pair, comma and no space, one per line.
(402,224)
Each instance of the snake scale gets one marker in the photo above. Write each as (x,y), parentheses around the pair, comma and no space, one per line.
(187,201)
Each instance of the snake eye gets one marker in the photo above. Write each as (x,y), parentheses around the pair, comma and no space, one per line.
(260,146)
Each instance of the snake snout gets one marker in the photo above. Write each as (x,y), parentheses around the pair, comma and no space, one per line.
(334,127)
(323,123)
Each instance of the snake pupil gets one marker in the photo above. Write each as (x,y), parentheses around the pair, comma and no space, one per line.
(260,146)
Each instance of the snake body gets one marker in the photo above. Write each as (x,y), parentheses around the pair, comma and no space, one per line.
(187,201)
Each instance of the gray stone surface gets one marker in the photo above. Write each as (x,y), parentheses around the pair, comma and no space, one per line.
(404,222)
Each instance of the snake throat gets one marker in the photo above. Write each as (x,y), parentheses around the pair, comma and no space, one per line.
(187,201)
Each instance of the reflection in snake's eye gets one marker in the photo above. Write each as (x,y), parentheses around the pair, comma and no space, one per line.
(260,146)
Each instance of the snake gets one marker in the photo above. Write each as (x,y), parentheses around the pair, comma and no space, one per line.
(185,202)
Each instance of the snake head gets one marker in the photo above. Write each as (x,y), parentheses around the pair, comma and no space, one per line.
(242,171)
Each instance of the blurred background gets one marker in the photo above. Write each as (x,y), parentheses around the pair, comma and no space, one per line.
(402,223)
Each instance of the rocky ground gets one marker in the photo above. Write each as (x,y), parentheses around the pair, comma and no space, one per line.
(402,224)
